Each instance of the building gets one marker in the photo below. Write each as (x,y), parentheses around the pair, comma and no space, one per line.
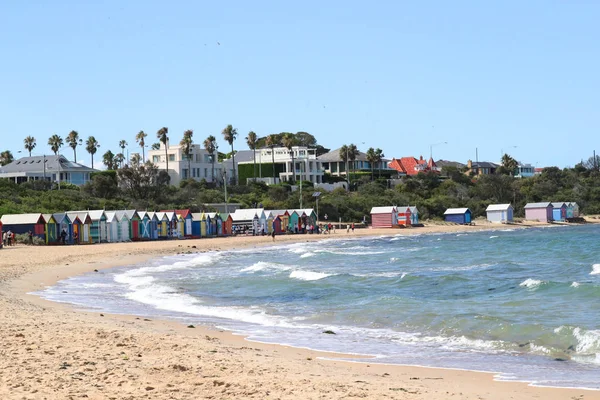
(198,168)
(478,168)
(460,216)
(500,213)
(54,168)
(411,166)
(538,211)
(559,211)
(524,171)
(334,164)
(307,166)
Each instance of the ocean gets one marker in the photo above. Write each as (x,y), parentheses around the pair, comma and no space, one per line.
(520,303)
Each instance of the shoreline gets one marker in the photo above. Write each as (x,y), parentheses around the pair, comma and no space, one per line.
(16,282)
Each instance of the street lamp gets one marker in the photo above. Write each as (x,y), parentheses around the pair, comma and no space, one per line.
(431,148)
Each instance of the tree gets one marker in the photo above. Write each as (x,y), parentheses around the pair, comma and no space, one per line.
(163,136)
(230,134)
(30,144)
(122,145)
(509,164)
(73,141)
(211,147)
(108,159)
(118,160)
(186,147)
(6,157)
(136,160)
(143,182)
(140,138)
(288,141)
(271,142)
(352,154)
(348,154)
(251,141)
(155,146)
(372,159)
(91,146)
(55,142)
(379,159)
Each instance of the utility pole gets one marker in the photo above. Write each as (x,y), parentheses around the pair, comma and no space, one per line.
(225,185)
(300,184)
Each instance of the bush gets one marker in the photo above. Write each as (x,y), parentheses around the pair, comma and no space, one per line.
(24,239)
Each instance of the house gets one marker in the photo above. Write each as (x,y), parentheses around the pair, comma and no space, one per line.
(500,213)
(54,168)
(559,211)
(524,171)
(460,216)
(538,211)
(334,164)
(411,166)
(478,168)
(384,217)
(414,215)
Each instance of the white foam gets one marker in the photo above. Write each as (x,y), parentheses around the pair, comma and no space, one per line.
(263,265)
(309,254)
(575,284)
(587,341)
(595,269)
(493,237)
(308,275)
(531,283)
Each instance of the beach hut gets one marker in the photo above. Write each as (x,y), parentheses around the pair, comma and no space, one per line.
(500,213)
(154,225)
(384,217)
(307,216)
(134,224)
(277,227)
(414,215)
(559,211)
(404,216)
(196,225)
(97,228)
(163,225)
(574,209)
(51,236)
(84,229)
(75,229)
(172,224)
(216,224)
(227,223)
(147,225)
(293,221)
(112,226)
(63,223)
(185,222)
(284,220)
(20,224)
(247,219)
(124,226)
(458,216)
(538,211)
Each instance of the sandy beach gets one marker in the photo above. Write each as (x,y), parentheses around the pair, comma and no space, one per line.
(53,351)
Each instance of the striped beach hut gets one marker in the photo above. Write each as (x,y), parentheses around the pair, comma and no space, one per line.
(500,213)
(384,217)
(20,224)
(538,211)
(134,224)
(404,216)
(247,219)
(112,226)
(460,216)
(559,211)
(154,225)
(124,224)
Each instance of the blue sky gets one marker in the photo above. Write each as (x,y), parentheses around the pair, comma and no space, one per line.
(396,75)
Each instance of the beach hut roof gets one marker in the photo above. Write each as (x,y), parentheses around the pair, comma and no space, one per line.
(110,215)
(95,215)
(247,214)
(121,214)
(276,213)
(47,217)
(307,211)
(538,205)
(60,217)
(211,215)
(413,209)
(83,216)
(224,216)
(451,211)
(196,216)
(558,204)
(22,219)
(573,204)
(498,207)
(383,210)
(131,213)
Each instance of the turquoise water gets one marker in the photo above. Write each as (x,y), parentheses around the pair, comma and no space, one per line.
(523,304)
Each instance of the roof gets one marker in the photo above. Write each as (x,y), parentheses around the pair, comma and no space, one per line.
(95,215)
(383,210)
(307,211)
(277,213)
(411,165)
(197,216)
(110,215)
(558,204)
(483,164)
(182,213)
(48,217)
(334,155)
(498,207)
(246,214)
(448,163)
(538,205)
(83,216)
(413,209)
(35,164)
(59,217)
(573,204)
(456,211)
(22,219)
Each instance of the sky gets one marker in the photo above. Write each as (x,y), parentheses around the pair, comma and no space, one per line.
(458,78)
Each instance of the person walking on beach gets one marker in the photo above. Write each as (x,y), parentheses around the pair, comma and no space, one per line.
(347,228)
(30,236)
(63,236)
(273,234)
(4,239)
(9,237)
(353,227)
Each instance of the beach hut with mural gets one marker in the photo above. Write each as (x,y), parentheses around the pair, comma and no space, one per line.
(404,216)
(500,213)
(414,215)
(572,210)
(247,219)
(384,217)
(51,237)
(542,212)
(81,230)
(461,216)
(20,224)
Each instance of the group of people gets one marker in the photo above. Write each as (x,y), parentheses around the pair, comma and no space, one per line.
(8,238)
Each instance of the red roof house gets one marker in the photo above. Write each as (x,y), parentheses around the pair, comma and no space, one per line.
(411,166)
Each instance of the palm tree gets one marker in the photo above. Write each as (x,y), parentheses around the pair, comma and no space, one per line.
(140,138)
(163,136)
(91,145)
(155,146)
(73,141)
(118,159)
(210,145)
(509,163)
(272,142)
(122,145)
(380,155)
(135,160)
(372,159)
(348,154)
(251,140)
(289,141)
(6,157)
(230,134)
(186,148)
(55,142)
(30,144)
(108,159)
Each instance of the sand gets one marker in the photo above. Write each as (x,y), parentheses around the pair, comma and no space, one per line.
(53,351)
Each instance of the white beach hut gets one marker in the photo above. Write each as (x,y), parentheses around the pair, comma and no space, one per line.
(500,213)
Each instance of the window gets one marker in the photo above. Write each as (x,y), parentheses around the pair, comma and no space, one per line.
(205,172)
(171,157)
(155,159)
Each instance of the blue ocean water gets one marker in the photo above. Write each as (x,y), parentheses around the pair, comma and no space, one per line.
(521,303)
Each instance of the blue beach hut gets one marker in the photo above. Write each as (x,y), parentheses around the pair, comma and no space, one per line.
(460,216)
(559,211)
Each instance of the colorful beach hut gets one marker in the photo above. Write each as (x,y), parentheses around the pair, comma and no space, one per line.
(460,216)
(500,213)
(63,223)
(185,222)
(154,225)
(414,215)
(196,225)
(76,229)
(227,223)
(559,211)
(574,207)
(97,228)
(404,216)
(214,225)
(20,224)
(284,220)
(81,230)
(246,219)
(538,211)
(293,221)
(51,237)
(384,217)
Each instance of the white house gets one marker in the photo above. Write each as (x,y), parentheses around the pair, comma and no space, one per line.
(500,213)
(49,168)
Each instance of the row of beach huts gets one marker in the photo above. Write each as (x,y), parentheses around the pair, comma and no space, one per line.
(392,216)
(101,226)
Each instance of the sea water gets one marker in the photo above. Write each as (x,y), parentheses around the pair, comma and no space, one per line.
(521,303)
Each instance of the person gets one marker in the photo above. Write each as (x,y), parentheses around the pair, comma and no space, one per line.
(347,228)
(273,234)
(4,239)
(9,237)
(30,237)
(325,217)
(353,227)
(75,237)
(63,236)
